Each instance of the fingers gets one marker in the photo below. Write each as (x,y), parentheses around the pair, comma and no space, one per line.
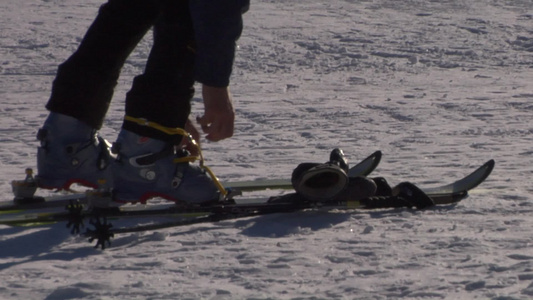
(191,129)
(217,128)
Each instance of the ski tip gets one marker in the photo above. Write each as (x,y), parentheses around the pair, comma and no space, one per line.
(482,172)
(489,166)
(366,166)
(376,159)
(491,162)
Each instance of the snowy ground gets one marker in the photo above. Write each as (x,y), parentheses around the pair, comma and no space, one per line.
(438,86)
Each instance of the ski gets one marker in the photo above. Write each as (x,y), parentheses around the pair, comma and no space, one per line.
(30,202)
(442,195)
(446,194)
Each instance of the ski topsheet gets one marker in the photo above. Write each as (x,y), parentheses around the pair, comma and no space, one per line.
(363,168)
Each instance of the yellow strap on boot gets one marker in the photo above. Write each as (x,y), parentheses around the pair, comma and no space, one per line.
(183,132)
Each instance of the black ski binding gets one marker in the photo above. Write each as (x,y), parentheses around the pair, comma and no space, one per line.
(404,194)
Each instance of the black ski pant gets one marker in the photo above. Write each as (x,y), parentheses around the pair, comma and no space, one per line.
(83,87)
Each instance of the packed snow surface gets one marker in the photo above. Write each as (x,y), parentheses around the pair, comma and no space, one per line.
(439,86)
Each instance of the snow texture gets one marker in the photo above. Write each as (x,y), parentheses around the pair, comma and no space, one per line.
(439,86)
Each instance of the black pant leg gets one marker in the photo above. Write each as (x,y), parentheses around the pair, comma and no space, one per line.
(162,94)
(84,84)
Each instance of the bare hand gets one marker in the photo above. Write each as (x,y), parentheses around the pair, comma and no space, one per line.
(219,116)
